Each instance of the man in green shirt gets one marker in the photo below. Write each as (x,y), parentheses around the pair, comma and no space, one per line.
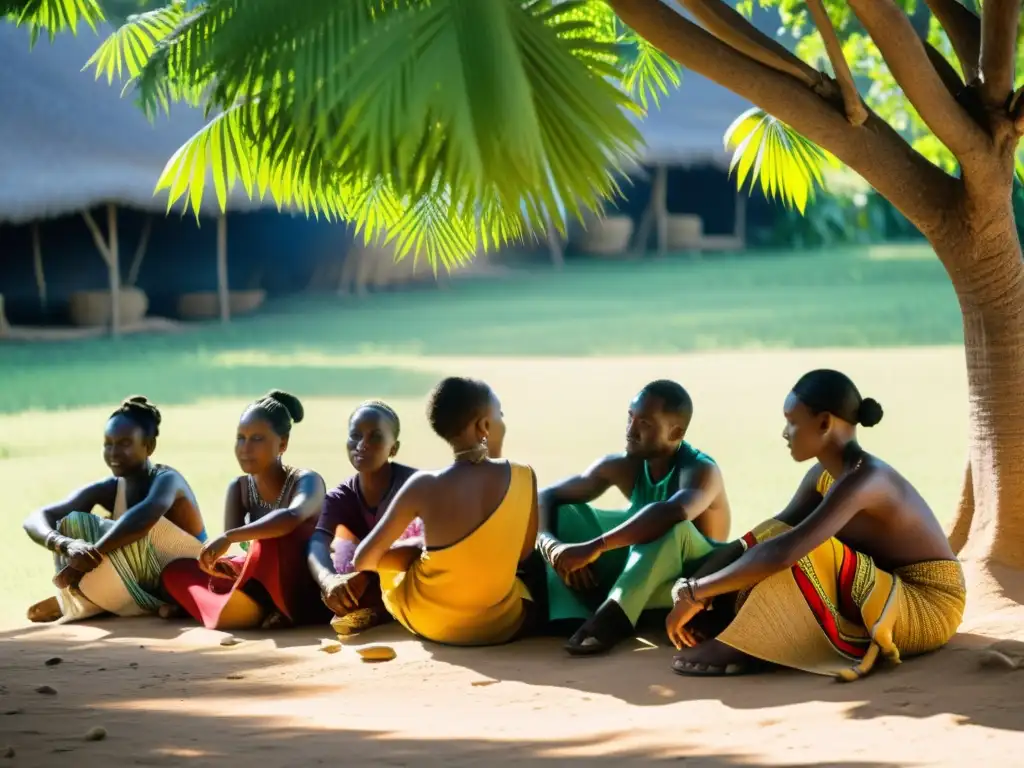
(625,561)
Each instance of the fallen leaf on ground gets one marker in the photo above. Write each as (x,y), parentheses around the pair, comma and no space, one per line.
(376,653)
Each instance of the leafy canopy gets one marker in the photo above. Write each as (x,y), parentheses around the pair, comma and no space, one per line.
(445,125)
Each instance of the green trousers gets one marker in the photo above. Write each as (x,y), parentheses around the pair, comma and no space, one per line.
(637,577)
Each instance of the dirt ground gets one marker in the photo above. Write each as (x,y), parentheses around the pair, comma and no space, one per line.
(171,694)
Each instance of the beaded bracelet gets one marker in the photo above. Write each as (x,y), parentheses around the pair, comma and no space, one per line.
(55,542)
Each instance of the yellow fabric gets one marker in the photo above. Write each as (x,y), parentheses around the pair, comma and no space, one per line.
(467,593)
(825,481)
(835,612)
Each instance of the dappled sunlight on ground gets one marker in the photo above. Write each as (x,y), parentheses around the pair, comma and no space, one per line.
(279,700)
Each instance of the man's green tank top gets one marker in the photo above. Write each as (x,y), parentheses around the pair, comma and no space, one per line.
(646,491)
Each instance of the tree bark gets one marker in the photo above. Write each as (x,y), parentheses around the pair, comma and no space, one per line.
(983,259)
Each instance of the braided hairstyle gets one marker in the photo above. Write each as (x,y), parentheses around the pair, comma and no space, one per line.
(279,409)
(141,412)
(384,410)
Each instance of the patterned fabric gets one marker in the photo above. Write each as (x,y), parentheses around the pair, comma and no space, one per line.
(136,564)
(835,612)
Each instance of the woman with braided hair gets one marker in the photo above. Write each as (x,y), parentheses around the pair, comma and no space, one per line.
(112,564)
(351,511)
(270,512)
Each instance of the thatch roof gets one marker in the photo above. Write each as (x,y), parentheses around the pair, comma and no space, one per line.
(688,127)
(69,142)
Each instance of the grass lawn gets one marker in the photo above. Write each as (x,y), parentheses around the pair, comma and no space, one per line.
(565,352)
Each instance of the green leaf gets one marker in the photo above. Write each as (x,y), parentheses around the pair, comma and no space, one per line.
(52,16)
(132,45)
(788,165)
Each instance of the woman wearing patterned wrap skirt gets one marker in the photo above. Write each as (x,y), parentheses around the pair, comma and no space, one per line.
(856,568)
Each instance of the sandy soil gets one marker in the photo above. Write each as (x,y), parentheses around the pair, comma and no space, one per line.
(171,694)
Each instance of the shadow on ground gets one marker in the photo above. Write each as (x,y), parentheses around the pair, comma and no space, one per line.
(155,698)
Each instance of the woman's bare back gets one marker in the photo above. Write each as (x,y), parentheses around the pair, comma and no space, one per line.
(898,527)
(460,498)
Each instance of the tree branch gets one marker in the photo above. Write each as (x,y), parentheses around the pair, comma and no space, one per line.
(729,26)
(921,191)
(946,71)
(963,29)
(908,62)
(999,20)
(856,112)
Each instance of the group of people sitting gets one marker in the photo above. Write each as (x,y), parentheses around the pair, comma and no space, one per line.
(855,567)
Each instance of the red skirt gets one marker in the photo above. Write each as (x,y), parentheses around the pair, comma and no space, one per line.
(277,565)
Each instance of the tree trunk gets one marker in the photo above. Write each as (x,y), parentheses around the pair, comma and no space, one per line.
(984,261)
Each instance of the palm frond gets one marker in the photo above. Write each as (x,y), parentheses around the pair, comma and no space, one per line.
(133,43)
(52,16)
(651,74)
(444,125)
(788,165)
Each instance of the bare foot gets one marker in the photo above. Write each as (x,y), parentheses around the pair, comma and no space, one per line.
(45,611)
(713,659)
(170,611)
(276,620)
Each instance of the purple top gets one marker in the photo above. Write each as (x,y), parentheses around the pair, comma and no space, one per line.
(345,505)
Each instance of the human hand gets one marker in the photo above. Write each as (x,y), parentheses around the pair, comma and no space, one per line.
(68,578)
(342,592)
(574,557)
(212,551)
(83,556)
(681,615)
(580,576)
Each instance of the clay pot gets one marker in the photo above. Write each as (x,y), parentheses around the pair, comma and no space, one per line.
(88,309)
(685,230)
(607,236)
(205,305)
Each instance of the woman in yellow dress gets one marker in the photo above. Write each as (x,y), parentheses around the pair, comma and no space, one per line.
(480,524)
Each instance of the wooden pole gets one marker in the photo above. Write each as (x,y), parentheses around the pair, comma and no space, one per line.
(4,327)
(37,264)
(140,252)
(223,294)
(554,243)
(114,270)
(660,195)
(108,250)
(655,214)
(740,225)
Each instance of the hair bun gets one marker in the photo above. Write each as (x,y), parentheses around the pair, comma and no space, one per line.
(870,412)
(142,403)
(291,403)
